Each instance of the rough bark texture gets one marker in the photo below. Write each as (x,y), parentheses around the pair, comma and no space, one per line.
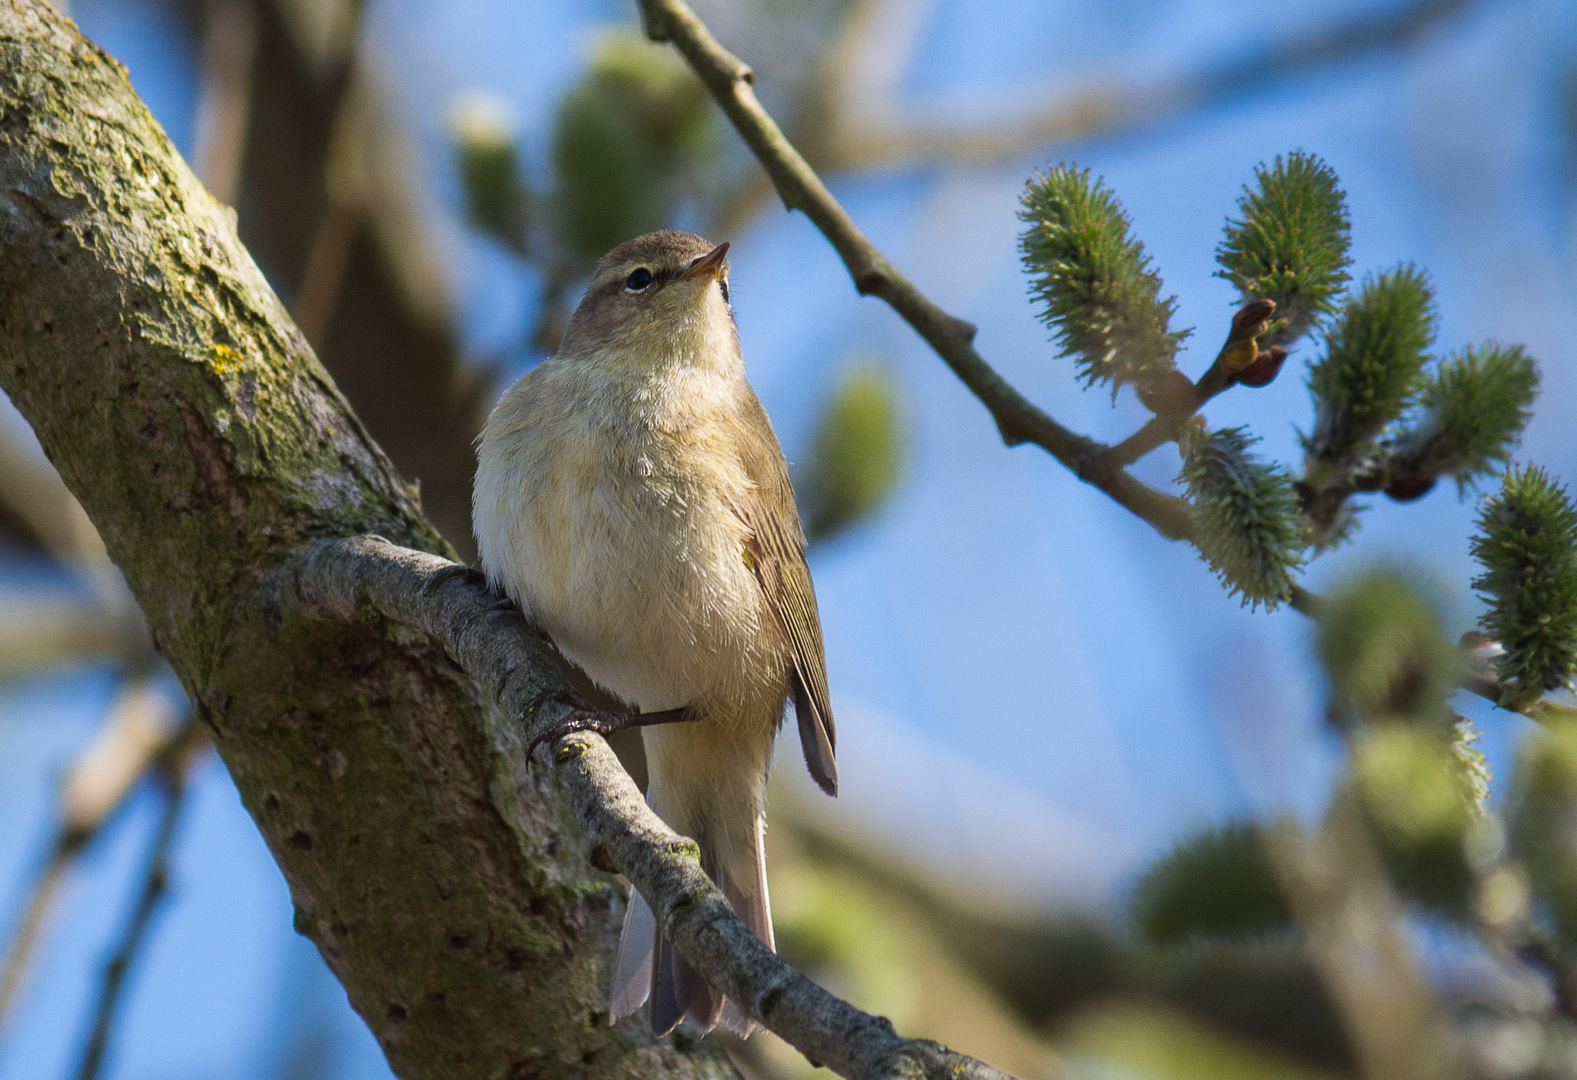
(449,889)
(366,578)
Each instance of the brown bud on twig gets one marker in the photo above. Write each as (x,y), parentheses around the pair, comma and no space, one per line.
(1252,319)
(1407,488)
(1265,367)
(1168,393)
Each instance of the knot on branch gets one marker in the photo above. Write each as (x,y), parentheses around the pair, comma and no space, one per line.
(1092,463)
(655,22)
(872,278)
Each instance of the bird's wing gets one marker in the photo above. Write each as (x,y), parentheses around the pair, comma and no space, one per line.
(775,553)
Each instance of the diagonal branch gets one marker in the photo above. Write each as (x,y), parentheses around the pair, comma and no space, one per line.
(367,577)
(1017,418)
(447,889)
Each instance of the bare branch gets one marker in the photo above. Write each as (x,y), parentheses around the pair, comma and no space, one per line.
(1017,418)
(886,140)
(30,928)
(175,768)
(140,733)
(446,887)
(368,577)
(224,100)
(1350,920)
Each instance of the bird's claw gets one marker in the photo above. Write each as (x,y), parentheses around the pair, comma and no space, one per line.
(439,578)
(578,720)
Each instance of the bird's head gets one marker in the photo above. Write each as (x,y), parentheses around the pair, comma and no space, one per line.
(658,299)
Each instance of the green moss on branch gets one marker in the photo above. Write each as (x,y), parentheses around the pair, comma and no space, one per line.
(448,889)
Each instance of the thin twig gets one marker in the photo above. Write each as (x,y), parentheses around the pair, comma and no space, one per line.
(368,577)
(176,768)
(30,929)
(1166,426)
(889,143)
(137,736)
(1017,418)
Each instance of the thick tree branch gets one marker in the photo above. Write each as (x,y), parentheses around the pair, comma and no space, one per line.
(448,889)
(1017,418)
(369,578)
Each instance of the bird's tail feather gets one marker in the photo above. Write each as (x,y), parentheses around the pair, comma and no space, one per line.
(748,869)
(632,977)
(649,966)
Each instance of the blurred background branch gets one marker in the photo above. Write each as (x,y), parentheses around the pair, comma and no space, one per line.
(333,199)
(174,763)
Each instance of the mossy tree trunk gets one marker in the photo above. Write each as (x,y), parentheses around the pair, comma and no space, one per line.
(447,888)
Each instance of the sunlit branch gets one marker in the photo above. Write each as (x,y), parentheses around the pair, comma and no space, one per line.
(367,577)
(1017,418)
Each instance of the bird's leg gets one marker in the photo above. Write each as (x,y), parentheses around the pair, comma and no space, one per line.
(583,717)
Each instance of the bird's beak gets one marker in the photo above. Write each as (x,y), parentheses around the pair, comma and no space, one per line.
(709,265)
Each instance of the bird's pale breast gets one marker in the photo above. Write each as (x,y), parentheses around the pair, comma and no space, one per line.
(613,530)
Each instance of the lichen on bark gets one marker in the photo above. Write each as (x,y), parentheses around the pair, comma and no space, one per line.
(447,887)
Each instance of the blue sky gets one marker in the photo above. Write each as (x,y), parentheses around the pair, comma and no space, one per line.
(1032,687)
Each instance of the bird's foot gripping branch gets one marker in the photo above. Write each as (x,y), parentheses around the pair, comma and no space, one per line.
(368,578)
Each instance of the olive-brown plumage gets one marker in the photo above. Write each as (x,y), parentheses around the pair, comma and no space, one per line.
(632,498)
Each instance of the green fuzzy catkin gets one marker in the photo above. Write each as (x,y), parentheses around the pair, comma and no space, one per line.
(1472,764)
(496,199)
(1247,514)
(626,136)
(1373,368)
(1471,415)
(1291,244)
(1543,806)
(857,454)
(1216,884)
(1382,643)
(1418,803)
(1527,545)
(1094,281)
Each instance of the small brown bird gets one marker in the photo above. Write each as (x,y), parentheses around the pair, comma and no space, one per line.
(632,498)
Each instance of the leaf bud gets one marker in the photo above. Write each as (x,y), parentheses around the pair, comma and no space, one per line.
(1265,368)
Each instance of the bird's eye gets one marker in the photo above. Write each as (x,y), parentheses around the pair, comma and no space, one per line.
(722,283)
(639,278)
